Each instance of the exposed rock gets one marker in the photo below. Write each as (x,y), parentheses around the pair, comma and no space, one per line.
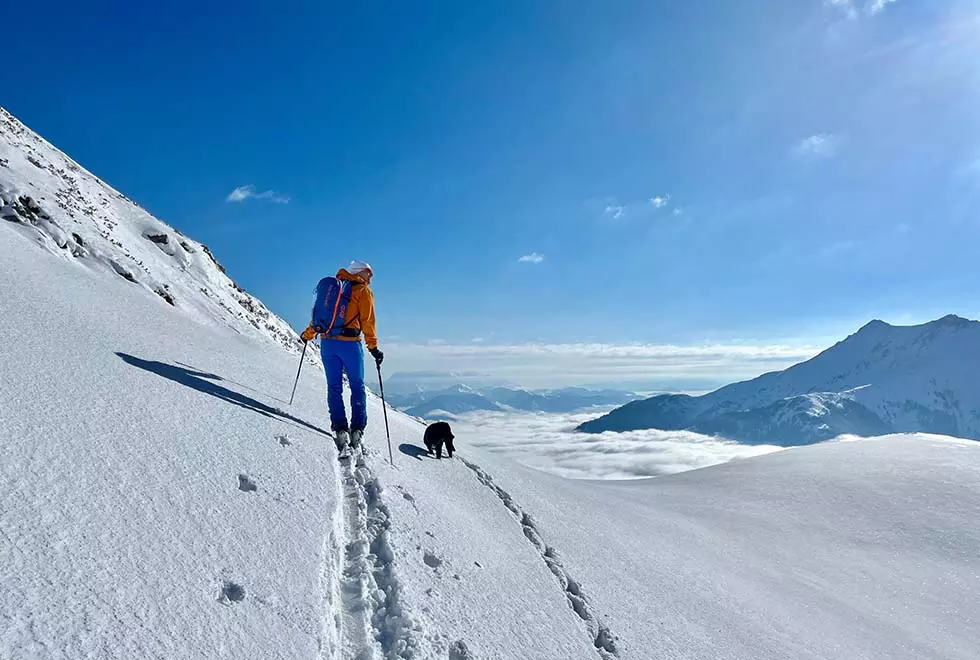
(207,251)
(164,293)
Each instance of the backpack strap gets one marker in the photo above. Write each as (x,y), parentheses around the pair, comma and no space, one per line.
(348,331)
(336,306)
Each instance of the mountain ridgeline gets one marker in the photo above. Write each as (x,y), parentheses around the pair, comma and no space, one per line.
(881,379)
(447,402)
(74,215)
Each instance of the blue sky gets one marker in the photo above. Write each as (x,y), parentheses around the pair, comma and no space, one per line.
(596,178)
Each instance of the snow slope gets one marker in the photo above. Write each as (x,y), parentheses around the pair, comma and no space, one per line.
(148,475)
(162,501)
(840,550)
(883,378)
(71,213)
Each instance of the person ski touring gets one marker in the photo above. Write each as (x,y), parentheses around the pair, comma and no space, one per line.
(436,435)
(343,311)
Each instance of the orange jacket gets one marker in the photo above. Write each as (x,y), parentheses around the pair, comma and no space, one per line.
(360,310)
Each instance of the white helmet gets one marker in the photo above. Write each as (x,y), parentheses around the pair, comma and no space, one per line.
(359,267)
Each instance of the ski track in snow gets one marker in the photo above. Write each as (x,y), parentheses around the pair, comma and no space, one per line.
(373,616)
(602,639)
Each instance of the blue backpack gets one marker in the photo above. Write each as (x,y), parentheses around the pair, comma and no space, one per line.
(330,308)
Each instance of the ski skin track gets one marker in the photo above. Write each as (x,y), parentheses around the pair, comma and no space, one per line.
(603,641)
(365,618)
(369,619)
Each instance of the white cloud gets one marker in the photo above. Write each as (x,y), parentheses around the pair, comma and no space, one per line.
(548,442)
(821,145)
(533,258)
(677,211)
(614,211)
(850,7)
(241,193)
(877,6)
(554,365)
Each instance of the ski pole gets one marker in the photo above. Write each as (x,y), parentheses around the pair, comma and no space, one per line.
(384,407)
(301,358)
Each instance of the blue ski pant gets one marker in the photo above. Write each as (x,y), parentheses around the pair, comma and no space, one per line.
(341,357)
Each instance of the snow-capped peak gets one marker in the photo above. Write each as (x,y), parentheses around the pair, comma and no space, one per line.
(904,378)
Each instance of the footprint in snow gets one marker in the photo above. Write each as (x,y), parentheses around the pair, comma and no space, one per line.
(245,484)
(408,497)
(231,593)
(284,440)
(459,651)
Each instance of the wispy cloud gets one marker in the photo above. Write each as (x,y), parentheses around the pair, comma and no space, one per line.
(241,193)
(533,258)
(850,7)
(551,365)
(611,208)
(614,211)
(821,145)
(877,6)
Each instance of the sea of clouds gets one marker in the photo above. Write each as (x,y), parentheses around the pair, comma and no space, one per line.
(548,442)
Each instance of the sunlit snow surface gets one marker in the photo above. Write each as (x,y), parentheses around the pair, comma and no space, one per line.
(161,500)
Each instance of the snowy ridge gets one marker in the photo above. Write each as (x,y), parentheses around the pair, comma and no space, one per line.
(882,379)
(75,215)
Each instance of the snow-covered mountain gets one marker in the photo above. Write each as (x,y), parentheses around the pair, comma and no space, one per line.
(443,403)
(462,398)
(881,379)
(72,214)
(162,500)
(410,383)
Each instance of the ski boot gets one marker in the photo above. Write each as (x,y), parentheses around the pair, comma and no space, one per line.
(342,438)
(355,441)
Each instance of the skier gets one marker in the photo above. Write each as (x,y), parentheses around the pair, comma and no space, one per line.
(343,310)
(437,434)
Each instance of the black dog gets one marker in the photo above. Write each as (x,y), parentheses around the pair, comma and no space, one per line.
(438,434)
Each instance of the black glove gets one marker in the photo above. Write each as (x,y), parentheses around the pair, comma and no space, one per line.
(379,357)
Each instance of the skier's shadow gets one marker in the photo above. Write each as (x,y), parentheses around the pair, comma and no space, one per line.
(203,382)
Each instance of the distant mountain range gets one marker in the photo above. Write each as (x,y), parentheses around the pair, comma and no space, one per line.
(882,379)
(462,398)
